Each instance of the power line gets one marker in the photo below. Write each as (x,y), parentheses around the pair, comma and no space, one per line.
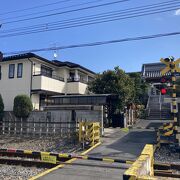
(65,12)
(99,15)
(34,7)
(90,22)
(98,20)
(65,7)
(97,43)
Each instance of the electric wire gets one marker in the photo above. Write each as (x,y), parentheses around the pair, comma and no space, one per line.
(106,14)
(34,7)
(64,12)
(65,7)
(91,21)
(139,38)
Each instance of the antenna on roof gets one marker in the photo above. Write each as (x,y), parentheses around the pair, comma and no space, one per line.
(55,54)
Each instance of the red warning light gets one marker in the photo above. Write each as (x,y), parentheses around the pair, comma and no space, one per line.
(163,91)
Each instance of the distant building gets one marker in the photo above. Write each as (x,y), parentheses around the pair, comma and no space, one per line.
(40,78)
(151,72)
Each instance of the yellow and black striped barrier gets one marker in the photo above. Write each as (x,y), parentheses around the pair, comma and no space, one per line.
(17,152)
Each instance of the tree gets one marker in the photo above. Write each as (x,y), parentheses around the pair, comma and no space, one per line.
(140,89)
(1,108)
(114,82)
(22,106)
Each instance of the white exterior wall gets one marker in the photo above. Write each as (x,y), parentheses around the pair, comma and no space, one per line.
(76,88)
(48,84)
(36,67)
(35,101)
(9,88)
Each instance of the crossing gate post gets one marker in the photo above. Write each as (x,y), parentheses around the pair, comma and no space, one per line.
(142,168)
(171,129)
(89,132)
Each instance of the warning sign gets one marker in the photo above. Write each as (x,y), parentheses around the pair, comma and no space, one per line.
(49,159)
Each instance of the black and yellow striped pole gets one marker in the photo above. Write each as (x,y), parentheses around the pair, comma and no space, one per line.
(172,67)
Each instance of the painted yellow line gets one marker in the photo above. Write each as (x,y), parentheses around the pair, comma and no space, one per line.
(46,172)
(90,149)
(62,165)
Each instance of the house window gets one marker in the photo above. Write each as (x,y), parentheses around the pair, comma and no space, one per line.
(11,70)
(20,70)
(46,71)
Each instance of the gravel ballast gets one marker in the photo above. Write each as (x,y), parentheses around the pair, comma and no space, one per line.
(53,143)
(8,172)
(50,144)
(165,155)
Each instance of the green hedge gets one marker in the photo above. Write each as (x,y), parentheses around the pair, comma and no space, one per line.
(22,106)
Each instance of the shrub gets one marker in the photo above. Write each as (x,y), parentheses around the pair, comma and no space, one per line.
(22,106)
(1,107)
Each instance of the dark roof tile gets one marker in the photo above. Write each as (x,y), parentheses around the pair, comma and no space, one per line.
(53,62)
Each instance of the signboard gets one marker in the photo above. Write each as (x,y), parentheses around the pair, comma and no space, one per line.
(48,158)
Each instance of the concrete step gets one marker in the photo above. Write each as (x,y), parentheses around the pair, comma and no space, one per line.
(158,118)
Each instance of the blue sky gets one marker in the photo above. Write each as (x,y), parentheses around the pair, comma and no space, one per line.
(128,55)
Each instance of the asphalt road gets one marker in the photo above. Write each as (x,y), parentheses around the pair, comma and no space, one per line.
(116,144)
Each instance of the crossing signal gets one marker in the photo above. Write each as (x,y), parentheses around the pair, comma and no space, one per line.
(163,80)
(171,64)
(163,91)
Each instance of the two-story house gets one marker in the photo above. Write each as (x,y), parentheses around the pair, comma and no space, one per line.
(40,78)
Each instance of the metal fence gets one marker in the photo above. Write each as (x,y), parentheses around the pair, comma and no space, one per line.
(41,128)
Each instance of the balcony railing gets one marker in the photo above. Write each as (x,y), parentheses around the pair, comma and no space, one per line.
(39,73)
(73,79)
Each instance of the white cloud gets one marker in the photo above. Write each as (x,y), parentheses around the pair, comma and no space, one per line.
(177,12)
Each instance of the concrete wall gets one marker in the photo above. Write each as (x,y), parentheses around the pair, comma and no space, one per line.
(59,116)
(9,88)
(89,115)
(48,84)
(48,123)
(76,88)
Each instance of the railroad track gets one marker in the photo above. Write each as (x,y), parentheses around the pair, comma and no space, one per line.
(163,170)
(167,170)
(26,163)
(160,169)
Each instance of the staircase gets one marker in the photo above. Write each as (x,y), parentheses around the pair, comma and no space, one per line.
(156,110)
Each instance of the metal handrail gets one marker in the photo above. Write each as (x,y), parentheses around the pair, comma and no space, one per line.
(147,106)
(73,79)
(39,73)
